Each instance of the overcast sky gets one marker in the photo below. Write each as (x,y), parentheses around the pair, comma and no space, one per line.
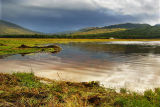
(52,16)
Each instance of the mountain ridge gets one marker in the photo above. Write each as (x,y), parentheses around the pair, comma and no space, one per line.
(123,31)
(7,28)
(127,25)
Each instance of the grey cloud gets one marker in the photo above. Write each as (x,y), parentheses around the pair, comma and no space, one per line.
(63,17)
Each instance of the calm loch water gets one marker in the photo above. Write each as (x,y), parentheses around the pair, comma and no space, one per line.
(131,65)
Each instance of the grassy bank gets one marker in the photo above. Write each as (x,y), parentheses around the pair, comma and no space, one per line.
(27,90)
(15,46)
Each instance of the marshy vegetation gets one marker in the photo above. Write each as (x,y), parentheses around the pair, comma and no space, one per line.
(27,90)
(25,46)
(9,46)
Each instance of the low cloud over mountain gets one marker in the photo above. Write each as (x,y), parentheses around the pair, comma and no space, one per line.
(62,15)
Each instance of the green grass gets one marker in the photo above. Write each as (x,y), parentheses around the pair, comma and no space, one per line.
(11,46)
(28,80)
(27,90)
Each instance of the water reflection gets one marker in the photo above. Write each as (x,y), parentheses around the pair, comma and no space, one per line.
(131,66)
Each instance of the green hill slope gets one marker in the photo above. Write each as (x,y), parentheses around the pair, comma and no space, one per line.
(110,29)
(7,28)
(144,32)
(128,26)
(157,25)
(121,31)
(134,33)
(97,31)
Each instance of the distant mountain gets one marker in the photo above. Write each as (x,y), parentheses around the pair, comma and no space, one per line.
(89,29)
(123,31)
(110,28)
(144,31)
(10,28)
(97,31)
(157,25)
(128,26)
(135,33)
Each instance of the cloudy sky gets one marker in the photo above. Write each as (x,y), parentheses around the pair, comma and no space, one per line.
(52,16)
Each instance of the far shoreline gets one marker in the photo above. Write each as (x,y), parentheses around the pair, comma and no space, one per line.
(81,40)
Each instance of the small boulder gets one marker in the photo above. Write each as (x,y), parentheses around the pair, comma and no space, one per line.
(24,46)
(2,44)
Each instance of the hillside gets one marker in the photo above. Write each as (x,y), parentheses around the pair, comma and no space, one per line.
(97,31)
(134,33)
(157,25)
(110,29)
(127,26)
(124,31)
(144,32)
(7,28)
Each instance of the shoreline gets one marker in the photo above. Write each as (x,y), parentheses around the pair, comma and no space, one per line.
(10,46)
(77,40)
(25,89)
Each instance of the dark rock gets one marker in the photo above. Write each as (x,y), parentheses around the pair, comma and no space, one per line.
(94,100)
(24,46)
(2,44)
(91,84)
